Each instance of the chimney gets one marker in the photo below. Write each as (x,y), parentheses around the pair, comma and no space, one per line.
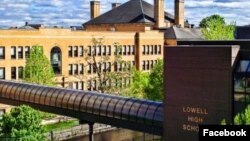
(159,13)
(94,9)
(179,12)
(115,5)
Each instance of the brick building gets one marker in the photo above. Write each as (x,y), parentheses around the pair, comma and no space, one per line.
(136,25)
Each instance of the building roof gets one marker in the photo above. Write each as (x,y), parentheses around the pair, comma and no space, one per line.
(242,32)
(183,33)
(133,11)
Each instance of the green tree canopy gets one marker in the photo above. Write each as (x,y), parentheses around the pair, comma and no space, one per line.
(243,118)
(22,123)
(38,68)
(137,87)
(205,21)
(154,90)
(215,28)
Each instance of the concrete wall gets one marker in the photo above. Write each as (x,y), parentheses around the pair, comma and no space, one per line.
(197,88)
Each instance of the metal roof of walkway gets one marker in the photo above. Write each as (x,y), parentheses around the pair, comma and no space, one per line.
(129,113)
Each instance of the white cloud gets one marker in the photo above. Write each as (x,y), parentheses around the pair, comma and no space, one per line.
(76,12)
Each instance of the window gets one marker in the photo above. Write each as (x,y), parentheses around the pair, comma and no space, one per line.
(70,69)
(109,50)
(20,72)
(81,85)
(94,50)
(2,73)
(133,50)
(146,64)
(70,51)
(104,50)
(119,66)
(159,49)
(13,72)
(116,50)
(81,68)
(128,50)
(156,49)
(95,67)
(148,49)
(144,49)
(75,51)
(27,51)
(2,53)
(20,52)
(104,67)
(89,85)
(75,85)
(13,52)
(56,60)
(89,50)
(152,49)
(109,67)
(81,51)
(89,68)
(152,63)
(99,50)
(124,50)
(75,68)
(143,65)
(115,66)
(94,85)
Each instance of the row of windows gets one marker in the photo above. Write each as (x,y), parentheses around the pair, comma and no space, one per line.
(76,51)
(151,49)
(16,72)
(148,64)
(76,69)
(125,50)
(92,85)
(123,66)
(77,85)
(16,52)
(105,66)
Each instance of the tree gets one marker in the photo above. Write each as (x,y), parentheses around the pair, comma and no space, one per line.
(22,123)
(99,62)
(215,28)
(38,68)
(204,22)
(243,118)
(138,85)
(154,89)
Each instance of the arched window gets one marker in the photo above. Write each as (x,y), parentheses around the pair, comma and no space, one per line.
(56,59)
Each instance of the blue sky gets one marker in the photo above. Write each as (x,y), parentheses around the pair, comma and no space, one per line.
(76,12)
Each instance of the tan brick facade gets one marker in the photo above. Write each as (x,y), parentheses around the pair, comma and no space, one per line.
(147,46)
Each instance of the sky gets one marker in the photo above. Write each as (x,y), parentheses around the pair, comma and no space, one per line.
(75,12)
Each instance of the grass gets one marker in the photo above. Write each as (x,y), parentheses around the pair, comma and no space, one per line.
(61,125)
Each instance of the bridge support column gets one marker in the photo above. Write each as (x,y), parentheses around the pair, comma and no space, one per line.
(91,131)
(91,128)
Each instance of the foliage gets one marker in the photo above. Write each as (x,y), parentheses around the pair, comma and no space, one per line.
(205,21)
(22,123)
(154,90)
(108,81)
(217,29)
(60,125)
(38,68)
(243,118)
(138,85)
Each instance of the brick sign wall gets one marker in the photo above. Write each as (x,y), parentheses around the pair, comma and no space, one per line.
(197,88)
